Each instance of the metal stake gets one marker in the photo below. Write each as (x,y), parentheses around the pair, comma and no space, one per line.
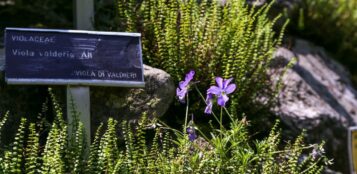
(81,99)
(83,15)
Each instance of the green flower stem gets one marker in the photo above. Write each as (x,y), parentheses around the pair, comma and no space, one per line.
(186,115)
(204,136)
(313,165)
(169,128)
(230,116)
(302,148)
(220,122)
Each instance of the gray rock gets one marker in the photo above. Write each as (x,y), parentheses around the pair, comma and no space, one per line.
(288,3)
(131,103)
(119,103)
(329,171)
(278,3)
(316,95)
(256,2)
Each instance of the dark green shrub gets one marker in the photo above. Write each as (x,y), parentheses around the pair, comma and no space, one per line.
(169,151)
(35,13)
(212,37)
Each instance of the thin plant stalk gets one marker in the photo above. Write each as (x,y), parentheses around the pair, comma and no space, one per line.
(186,115)
(229,115)
(204,136)
(220,122)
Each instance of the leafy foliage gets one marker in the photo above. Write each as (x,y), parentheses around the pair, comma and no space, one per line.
(168,151)
(212,37)
(37,13)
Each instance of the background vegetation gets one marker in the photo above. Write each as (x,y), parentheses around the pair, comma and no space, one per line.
(27,100)
(214,38)
(35,13)
(230,39)
(169,151)
(331,24)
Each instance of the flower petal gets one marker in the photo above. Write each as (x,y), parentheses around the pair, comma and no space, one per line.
(219,82)
(189,76)
(192,136)
(222,100)
(214,90)
(183,84)
(209,98)
(189,130)
(230,88)
(181,94)
(226,82)
(191,133)
(208,109)
(178,90)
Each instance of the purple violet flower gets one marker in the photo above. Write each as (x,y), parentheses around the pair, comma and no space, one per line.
(209,102)
(190,130)
(191,133)
(181,91)
(222,89)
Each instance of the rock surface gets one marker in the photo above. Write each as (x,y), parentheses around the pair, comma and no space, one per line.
(131,103)
(256,2)
(288,3)
(124,103)
(318,96)
(278,3)
(119,103)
